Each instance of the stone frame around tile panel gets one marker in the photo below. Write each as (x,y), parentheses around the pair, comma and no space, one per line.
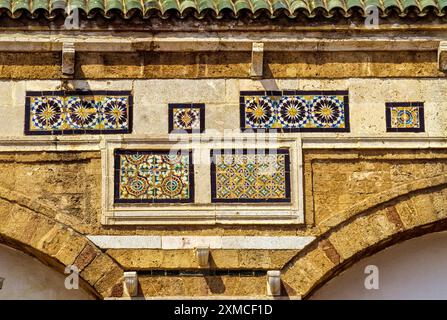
(419,105)
(66,93)
(119,152)
(172,106)
(202,211)
(214,198)
(280,93)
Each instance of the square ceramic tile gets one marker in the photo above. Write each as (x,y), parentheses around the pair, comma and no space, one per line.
(404,117)
(186,118)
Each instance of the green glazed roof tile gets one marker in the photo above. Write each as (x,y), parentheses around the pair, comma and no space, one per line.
(273,8)
(109,5)
(40,5)
(392,3)
(335,4)
(241,5)
(260,5)
(224,5)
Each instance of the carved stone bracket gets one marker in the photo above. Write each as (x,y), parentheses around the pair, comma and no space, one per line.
(274,283)
(68,58)
(131,283)
(257,60)
(442,56)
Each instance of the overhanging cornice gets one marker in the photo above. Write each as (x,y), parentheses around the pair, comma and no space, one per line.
(193,42)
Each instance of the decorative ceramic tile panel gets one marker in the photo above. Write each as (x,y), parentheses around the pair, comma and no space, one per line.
(78,112)
(153,176)
(186,118)
(404,117)
(295,111)
(250,176)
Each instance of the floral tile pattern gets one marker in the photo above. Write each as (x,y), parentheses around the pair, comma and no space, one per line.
(250,175)
(153,176)
(404,117)
(79,112)
(294,111)
(186,118)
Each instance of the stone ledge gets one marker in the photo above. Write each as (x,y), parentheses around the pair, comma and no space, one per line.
(192,242)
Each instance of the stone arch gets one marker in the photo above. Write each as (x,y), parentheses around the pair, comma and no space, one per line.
(30,226)
(380,221)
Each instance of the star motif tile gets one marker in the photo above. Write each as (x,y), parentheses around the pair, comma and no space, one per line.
(186,118)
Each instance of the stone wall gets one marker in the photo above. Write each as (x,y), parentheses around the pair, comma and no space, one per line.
(57,182)
(335,183)
(174,65)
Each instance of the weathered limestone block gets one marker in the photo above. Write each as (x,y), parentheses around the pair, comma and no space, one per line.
(138,259)
(351,64)
(54,240)
(108,281)
(71,249)
(8,216)
(145,259)
(108,65)
(153,286)
(417,210)
(86,256)
(254,258)
(307,271)
(100,266)
(362,233)
(20,65)
(39,226)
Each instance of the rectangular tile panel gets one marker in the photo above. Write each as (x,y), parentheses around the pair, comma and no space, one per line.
(294,111)
(404,117)
(78,112)
(250,175)
(153,176)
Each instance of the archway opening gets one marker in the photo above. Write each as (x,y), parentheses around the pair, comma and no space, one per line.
(25,277)
(414,269)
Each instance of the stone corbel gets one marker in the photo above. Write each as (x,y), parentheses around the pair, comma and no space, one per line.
(274,283)
(203,255)
(131,283)
(68,58)
(442,56)
(257,60)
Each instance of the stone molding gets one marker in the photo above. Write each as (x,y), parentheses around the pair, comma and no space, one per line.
(308,140)
(193,242)
(206,42)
